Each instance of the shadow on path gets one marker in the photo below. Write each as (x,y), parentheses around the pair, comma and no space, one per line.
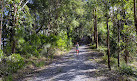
(73,67)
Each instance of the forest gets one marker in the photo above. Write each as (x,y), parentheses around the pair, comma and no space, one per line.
(33,32)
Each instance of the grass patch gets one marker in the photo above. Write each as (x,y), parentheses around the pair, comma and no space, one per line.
(102,49)
(125,70)
(40,64)
(113,60)
(92,46)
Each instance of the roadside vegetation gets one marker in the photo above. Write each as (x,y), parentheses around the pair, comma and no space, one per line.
(35,32)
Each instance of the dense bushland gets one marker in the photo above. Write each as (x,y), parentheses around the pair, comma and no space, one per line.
(32,29)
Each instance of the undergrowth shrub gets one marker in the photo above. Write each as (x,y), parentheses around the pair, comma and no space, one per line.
(102,49)
(104,58)
(40,64)
(8,78)
(62,40)
(15,62)
(92,46)
(35,44)
(1,55)
(126,70)
(11,64)
(48,51)
(113,61)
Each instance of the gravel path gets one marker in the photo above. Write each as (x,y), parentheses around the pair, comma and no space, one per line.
(71,67)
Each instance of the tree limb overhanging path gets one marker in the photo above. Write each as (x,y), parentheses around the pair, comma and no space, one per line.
(73,67)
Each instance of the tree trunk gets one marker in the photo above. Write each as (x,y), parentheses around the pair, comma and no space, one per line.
(126,52)
(108,49)
(118,42)
(68,32)
(13,29)
(94,31)
(95,28)
(126,55)
(135,19)
(13,41)
(2,8)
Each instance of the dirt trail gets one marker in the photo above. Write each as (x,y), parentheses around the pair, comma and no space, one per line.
(72,67)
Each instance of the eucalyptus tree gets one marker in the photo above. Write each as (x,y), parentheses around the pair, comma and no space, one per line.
(135,17)
(123,38)
(92,12)
(129,30)
(95,23)
(1,19)
(107,5)
(13,18)
(116,29)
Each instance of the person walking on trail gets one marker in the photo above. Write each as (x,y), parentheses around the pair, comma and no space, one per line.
(77,48)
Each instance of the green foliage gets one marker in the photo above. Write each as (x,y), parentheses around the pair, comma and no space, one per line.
(126,70)
(40,64)
(48,51)
(49,39)
(113,61)
(102,49)
(17,1)
(104,58)
(35,45)
(14,62)
(8,78)
(42,26)
(62,41)
(114,46)
(74,23)
(80,11)
(11,64)
(28,50)
(1,54)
